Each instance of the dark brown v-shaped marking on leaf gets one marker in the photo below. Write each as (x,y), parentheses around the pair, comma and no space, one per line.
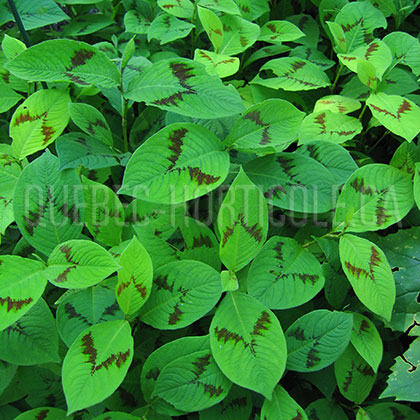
(255,116)
(72,313)
(255,231)
(175,145)
(16,304)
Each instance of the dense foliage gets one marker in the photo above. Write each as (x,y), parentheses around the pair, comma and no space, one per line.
(209,210)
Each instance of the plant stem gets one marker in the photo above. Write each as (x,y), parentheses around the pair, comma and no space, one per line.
(336,78)
(194,31)
(379,140)
(124,124)
(363,111)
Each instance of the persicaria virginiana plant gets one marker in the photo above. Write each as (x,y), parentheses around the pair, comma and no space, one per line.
(209,210)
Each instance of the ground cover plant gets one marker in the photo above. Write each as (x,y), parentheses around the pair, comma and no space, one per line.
(209,210)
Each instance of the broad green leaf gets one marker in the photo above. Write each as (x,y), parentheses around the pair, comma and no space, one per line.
(212,25)
(391,411)
(104,213)
(312,55)
(310,28)
(178,8)
(337,104)
(329,126)
(338,35)
(396,113)
(167,28)
(36,331)
(12,47)
(404,381)
(22,283)
(325,410)
(180,162)
(367,341)
(278,31)
(369,274)
(91,121)
(291,74)
(226,6)
(354,376)
(75,149)
(65,60)
(284,275)
(116,415)
(367,73)
(405,158)
(84,308)
(217,64)
(135,23)
(287,181)
(9,98)
(79,263)
(248,344)
(183,86)
(242,222)
(135,277)
(48,204)
(335,158)
(405,50)
(266,127)
(96,364)
(398,81)
(183,292)
(264,52)
(44,413)
(282,407)
(417,184)
(317,339)
(8,372)
(192,382)
(238,34)
(374,197)
(358,21)
(38,121)
(87,24)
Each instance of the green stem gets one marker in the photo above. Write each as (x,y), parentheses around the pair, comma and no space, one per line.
(194,31)
(124,124)
(363,111)
(330,234)
(379,140)
(340,68)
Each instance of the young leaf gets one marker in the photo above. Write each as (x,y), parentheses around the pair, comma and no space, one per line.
(397,114)
(167,28)
(91,121)
(374,197)
(282,407)
(96,364)
(317,339)
(44,413)
(367,74)
(22,283)
(405,158)
(48,204)
(12,47)
(38,121)
(354,376)
(9,98)
(248,344)
(135,277)
(267,127)
(65,60)
(329,126)
(212,25)
(180,162)
(77,264)
(182,292)
(284,275)
(326,410)
(84,308)
(391,411)
(242,222)
(278,31)
(337,103)
(369,273)
(183,86)
(367,341)
(87,24)
(217,64)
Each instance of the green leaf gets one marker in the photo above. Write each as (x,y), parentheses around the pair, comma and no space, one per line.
(325,410)
(36,331)
(267,127)
(183,86)
(405,158)
(288,182)
(284,275)
(312,55)
(329,126)
(104,213)
(374,197)
(65,60)
(183,292)
(38,121)
(22,283)
(337,104)
(44,413)
(116,415)
(226,6)
(8,372)
(317,339)
(212,25)
(79,263)
(278,31)
(86,24)
(82,309)
(398,81)
(248,344)
(12,47)
(9,98)
(242,222)
(310,28)
(217,64)
(178,8)
(338,35)
(91,121)
(96,364)
(391,411)
(396,113)
(167,28)
(282,407)
(369,274)
(135,277)
(367,74)
(48,204)
(135,23)
(354,376)
(291,74)
(180,162)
